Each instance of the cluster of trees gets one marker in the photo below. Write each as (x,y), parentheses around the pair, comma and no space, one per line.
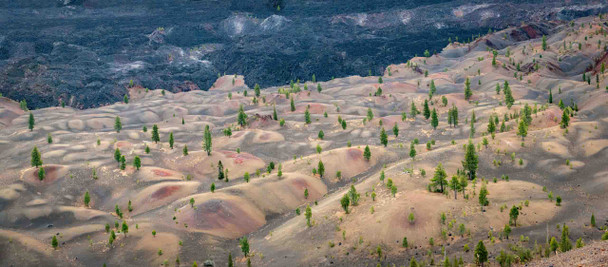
(453,116)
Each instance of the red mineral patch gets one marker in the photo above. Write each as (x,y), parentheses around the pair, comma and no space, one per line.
(300,183)
(123,144)
(354,154)
(164,192)
(161,173)
(219,214)
(315,108)
(238,158)
(51,174)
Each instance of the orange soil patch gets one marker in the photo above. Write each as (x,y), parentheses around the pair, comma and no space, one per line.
(205,167)
(389,122)
(277,195)
(123,145)
(52,174)
(137,92)
(397,88)
(315,108)
(157,174)
(161,194)
(224,83)
(241,209)
(222,215)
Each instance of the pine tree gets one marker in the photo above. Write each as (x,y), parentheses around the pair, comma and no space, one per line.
(36,158)
(396,130)
(319,89)
(207,140)
(307,116)
(455,116)
(321,169)
(413,110)
(426,110)
(117,124)
(593,220)
(123,163)
(87,198)
(551,96)
(155,135)
(125,228)
(370,114)
(472,128)
(345,202)
(383,137)
(185,150)
(244,245)
(491,125)
(522,129)
(171,140)
(413,262)
(506,231)
(432,89)
(481,254)
(471,160)
(54,242)
(117,155)
(242,117)
(498,89)
(49,138)
(454,184)
(412,151)
(220,171)
(31,122)
(41,173)
(230,262)
(434,119)
(544,42)
(256,89)
(513,214)
(321,135)
(274,113)
(509,100)
(565,118)
(125,99)
(367,153)
(553,245)
(565,244)
(467,89)
(308,214)
(439,179)
(137,162)
(450,121)
(292,105)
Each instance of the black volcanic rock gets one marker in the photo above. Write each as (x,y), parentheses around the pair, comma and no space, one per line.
(88,50)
